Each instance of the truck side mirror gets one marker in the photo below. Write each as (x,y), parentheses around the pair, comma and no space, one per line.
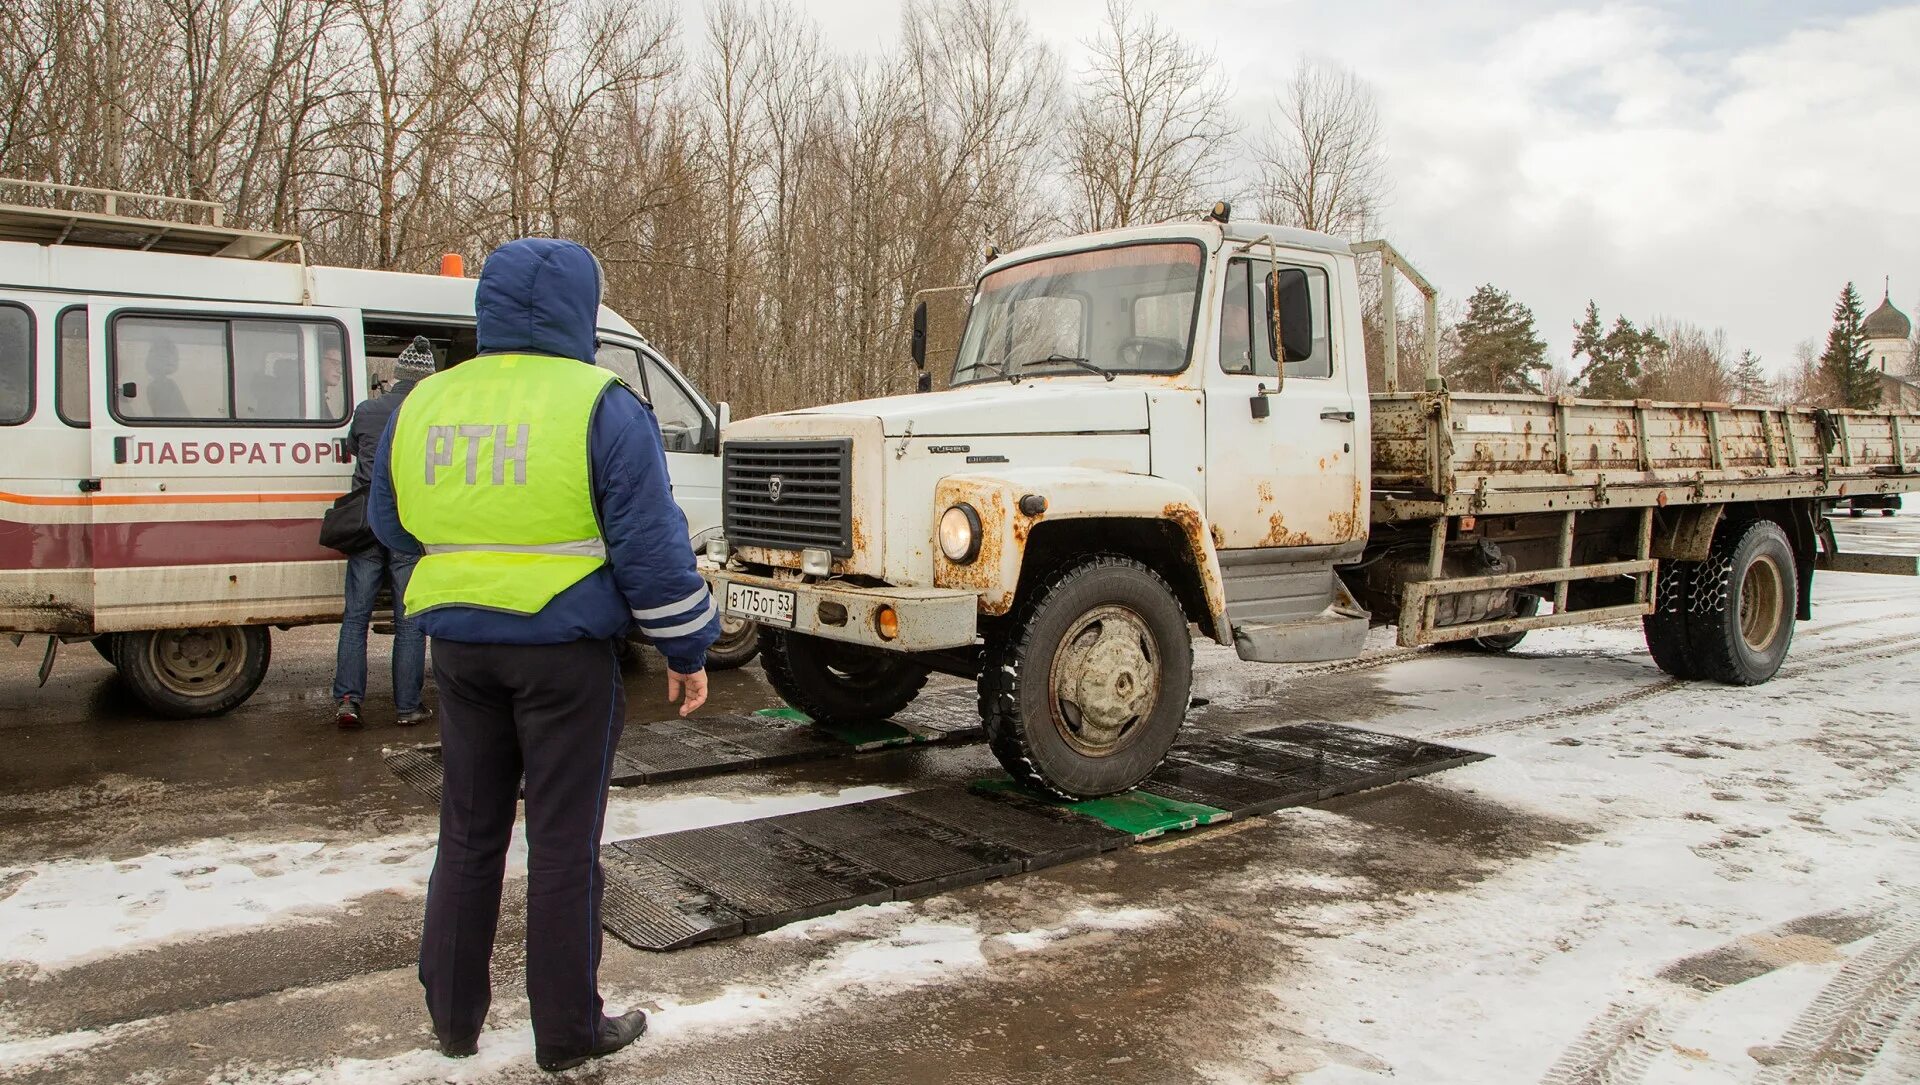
(918,344)
(1289,315)
(722,417)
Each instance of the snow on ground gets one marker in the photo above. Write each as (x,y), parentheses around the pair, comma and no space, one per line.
(1722,813)
(70,911)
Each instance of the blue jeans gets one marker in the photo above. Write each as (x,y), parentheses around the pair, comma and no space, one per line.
(364,574)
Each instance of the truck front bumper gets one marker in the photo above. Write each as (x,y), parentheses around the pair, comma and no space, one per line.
(929,619)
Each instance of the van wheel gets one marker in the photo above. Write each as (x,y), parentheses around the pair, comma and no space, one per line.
(835,682)
(1746,596)
(185,673)
(1666,628)
(1084,690)
(739,642)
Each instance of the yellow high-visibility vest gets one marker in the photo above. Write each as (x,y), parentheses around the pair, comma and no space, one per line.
(492,474)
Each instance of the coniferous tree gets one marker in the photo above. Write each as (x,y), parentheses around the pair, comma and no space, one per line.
(1497,348)
(1845,364)
(1750,384)
(1618,363)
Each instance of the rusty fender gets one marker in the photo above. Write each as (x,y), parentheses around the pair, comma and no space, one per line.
(1071,493)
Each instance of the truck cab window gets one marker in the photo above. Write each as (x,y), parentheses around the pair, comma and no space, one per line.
(683,425)
(1246,343)
(16,365)
(211,370)
(72,379)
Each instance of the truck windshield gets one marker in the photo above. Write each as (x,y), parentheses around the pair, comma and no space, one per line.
(1125,309)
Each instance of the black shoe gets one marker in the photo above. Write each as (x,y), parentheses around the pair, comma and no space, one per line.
(346,714)
(459,1049)
(615,1033)
(414,718)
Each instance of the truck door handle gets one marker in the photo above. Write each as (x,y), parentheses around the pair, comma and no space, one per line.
(1332,414)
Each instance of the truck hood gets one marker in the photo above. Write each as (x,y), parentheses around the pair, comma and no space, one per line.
(1042,405)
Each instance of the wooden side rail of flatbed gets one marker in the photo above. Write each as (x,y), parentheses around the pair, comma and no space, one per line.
(1466,454)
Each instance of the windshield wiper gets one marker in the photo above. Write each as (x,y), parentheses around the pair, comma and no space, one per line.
(1081,362)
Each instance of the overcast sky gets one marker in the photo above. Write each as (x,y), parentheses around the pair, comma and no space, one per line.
(1728,162)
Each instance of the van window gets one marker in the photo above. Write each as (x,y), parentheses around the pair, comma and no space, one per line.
(683,426)
(16,365)
(624,361)
(71,380)
(198,369)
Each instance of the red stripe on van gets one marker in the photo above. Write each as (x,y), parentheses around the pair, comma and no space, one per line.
(159,544)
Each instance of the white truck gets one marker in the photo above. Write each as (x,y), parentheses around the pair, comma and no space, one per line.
(1170,426)
(175,395)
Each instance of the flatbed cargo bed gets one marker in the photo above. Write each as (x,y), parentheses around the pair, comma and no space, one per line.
(1471,453)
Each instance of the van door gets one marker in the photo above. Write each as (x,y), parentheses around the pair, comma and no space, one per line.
(687,430)
(219,439)
(1283,468)
(45,583)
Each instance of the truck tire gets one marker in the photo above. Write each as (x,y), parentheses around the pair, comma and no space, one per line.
(834,682)
(1745,598)
(187,673)
(1668,637)
(1085,688)
(739,642)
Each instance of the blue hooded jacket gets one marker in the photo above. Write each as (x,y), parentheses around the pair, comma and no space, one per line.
(542,296)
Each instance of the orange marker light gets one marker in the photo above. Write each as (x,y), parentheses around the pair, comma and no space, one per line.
(453,265)
(886,623)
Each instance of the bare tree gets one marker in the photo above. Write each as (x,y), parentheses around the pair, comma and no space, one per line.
(1151,127)
(1321,162)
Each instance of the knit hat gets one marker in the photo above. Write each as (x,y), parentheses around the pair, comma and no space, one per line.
(415,362)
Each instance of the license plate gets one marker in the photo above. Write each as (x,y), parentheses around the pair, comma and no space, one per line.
(764,605)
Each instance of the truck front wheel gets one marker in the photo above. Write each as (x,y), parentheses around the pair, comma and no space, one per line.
(834,682)
(186,673)
(1084,689)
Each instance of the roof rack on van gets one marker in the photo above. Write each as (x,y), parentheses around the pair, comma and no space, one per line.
(199,228)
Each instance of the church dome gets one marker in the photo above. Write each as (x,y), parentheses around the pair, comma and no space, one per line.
(1887,322)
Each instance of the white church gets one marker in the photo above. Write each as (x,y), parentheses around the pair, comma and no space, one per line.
(1889,350)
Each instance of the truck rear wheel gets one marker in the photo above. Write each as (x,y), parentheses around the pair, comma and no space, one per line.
(1746,595)
(186,673)
(1666,629)
(1084,690)
(834,682)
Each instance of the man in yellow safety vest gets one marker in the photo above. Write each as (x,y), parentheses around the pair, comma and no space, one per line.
(533,485)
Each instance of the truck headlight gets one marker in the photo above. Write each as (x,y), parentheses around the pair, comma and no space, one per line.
(960,534)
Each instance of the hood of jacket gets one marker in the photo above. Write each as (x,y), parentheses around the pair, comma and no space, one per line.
(538,295)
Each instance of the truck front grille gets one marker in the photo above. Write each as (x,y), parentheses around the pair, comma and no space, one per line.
(788,495)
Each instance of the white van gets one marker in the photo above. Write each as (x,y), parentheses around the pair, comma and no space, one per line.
(174,403)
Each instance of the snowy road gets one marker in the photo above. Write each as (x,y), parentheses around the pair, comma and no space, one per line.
(1651,881)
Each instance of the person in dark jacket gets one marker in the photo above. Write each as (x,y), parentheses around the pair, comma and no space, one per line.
(367,570)
(535,484)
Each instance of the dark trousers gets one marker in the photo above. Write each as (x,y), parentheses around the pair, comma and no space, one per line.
(551,713)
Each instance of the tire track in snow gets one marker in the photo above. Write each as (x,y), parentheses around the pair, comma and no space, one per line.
(1615,1049)
(1839,1035)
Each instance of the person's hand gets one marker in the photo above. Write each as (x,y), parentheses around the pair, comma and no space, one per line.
(694,686)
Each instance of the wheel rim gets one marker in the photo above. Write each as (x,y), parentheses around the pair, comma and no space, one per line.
(196,662)
(732,632)
(1105,680)
(1761,593)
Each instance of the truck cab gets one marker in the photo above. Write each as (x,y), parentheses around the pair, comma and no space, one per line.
(1144,429)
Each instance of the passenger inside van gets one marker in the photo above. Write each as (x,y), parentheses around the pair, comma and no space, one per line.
(158,396)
